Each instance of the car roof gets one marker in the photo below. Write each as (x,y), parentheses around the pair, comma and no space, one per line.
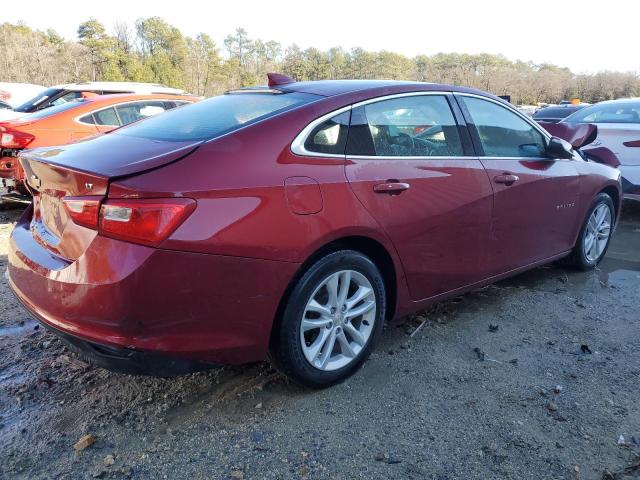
(115,98)
(619,100)
(330,88)
(119,86)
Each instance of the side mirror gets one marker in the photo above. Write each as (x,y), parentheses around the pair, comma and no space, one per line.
(559,148)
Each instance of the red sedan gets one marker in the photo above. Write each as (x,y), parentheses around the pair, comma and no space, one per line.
(289,222)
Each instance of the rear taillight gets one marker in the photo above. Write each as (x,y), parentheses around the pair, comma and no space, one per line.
(144,221)
(83,210)
(633,143)
(15,139)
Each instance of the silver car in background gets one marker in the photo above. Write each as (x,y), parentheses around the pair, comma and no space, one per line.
(618,124)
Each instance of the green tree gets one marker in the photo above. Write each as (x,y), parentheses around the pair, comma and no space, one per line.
(101,46)
(239,46)
(163,51)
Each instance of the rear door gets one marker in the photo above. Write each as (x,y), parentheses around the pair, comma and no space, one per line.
(535,196)
(410,164)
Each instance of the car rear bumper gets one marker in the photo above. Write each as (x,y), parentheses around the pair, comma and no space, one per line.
(206,308)
(127,360)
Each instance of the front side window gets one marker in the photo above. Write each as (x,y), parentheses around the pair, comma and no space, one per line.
(502,132)
(414,126)
(329,137)
(607,113)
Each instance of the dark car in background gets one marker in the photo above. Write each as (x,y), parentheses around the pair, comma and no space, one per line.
(555,113)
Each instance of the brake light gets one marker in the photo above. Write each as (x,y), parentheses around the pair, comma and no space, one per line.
(633,143)
(15,139)
(143,221)
(83,210)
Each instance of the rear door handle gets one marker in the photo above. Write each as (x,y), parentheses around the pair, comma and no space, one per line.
(506,178)
(391,187)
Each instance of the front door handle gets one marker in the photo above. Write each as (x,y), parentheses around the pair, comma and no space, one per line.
(506,178)
(391,187)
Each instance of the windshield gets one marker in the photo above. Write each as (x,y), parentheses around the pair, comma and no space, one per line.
(47,112)
(215,116)
(627,112)
(31,105)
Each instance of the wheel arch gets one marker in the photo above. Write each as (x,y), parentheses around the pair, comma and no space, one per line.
(614,193)
(368,246)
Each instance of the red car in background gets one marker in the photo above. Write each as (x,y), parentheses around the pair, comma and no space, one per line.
(290,221)
(92,115)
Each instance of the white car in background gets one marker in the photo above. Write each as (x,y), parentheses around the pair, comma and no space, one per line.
(60,94)
(13,95)
(618,124)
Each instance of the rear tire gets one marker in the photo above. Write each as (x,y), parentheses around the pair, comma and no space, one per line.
(331,321)
(595,234)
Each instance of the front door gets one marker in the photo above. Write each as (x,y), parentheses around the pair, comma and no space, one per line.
(407,165)
(535,197)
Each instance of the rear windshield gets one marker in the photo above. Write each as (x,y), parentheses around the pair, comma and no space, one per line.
(47,112)
(555,112)
(215,116)
(30,105)
(627,112)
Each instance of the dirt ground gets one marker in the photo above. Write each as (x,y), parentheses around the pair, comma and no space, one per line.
(536,377)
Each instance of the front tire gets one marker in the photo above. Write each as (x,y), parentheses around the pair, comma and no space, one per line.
(595,234)
(331,321)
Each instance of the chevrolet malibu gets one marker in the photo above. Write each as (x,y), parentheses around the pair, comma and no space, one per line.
(290,221)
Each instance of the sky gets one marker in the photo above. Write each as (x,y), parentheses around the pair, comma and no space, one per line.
(585,35)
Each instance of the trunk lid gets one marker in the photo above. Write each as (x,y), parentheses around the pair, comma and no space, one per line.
(112,155)
(84,170)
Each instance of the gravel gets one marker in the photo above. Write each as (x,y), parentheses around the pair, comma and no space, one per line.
(495,384)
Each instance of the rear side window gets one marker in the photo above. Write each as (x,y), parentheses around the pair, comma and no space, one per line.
(132,112)
(502,132)
(106,117)
(414,126)
(87,119)
(216,116)
(329,137)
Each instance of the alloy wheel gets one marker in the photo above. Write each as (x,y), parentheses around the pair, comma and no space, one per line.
(338,320)
(597,232)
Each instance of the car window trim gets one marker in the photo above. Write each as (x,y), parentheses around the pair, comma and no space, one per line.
(298,148)
(473,132)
